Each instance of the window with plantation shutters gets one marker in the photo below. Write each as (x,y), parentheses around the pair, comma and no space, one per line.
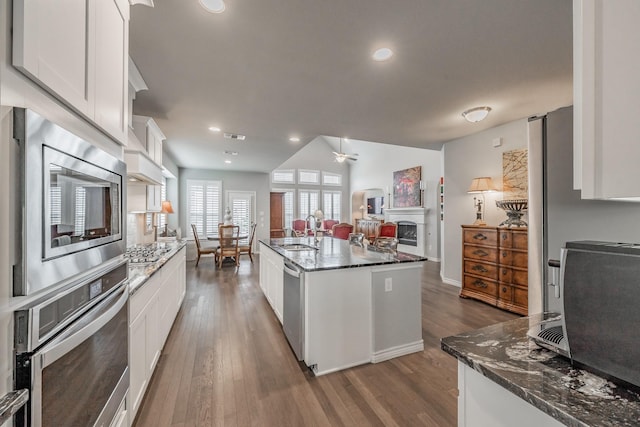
(288,205)
(162,218)
(80,217)
(308,202)
(241,211)
(331,204)
(203,205)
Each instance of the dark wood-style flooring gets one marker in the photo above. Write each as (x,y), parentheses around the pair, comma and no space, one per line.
(227,362)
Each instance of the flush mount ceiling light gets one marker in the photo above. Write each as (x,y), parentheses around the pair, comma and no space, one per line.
(477,114)
(294,139)
(213,6)
(228,162)
(214,129)
(382,54)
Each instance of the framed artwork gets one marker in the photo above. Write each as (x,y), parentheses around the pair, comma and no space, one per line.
(515,180)
(406,188)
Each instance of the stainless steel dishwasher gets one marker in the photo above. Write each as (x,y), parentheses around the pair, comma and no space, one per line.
(293,310)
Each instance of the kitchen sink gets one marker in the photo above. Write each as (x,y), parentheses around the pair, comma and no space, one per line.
(298,247)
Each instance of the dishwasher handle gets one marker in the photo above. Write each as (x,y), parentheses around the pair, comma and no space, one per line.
(291,270)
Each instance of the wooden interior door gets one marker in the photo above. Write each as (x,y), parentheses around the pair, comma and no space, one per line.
(276,214)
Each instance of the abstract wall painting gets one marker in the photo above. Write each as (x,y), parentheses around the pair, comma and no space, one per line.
(406,188)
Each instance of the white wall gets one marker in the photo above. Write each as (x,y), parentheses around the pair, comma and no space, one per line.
(375,167)
(464,159)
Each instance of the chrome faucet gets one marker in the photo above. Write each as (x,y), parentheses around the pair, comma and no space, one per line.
(315,225)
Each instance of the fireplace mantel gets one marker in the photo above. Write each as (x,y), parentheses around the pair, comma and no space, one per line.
(406,211)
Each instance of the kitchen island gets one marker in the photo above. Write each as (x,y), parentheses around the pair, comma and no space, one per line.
(504,380)
(358,305)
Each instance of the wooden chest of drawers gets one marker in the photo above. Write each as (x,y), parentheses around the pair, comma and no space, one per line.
(494,266)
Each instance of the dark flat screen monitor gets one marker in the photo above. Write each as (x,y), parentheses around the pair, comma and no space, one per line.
(374,205)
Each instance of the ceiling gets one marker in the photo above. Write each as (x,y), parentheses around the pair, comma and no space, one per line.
(272,69)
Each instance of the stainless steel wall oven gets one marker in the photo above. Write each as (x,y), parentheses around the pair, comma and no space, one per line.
(71,205)
(72,352)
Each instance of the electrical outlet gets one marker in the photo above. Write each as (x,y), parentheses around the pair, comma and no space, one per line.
(388,286)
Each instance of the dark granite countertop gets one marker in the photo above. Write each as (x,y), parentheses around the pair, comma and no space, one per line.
(336,253)
(575,397)
(140,273)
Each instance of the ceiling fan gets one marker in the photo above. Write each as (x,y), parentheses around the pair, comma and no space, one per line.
(341,156)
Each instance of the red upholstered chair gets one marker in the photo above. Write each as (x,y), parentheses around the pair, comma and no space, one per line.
(298,226)
(388,229)
(328,225)
(342,230)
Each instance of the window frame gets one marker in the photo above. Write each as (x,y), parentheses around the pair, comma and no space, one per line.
(206,183)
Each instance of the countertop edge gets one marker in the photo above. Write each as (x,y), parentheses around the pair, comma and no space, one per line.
(151,269)
(396,261)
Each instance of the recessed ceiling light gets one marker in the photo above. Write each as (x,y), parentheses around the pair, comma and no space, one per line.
(382,54)
(213,6)
(477,114)
(228,162)
(294,139)
(214,129)
(231,153)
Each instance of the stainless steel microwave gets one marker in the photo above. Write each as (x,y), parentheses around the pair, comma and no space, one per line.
(69,204)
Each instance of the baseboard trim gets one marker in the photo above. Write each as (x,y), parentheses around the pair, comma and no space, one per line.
(451,282)
(401,350)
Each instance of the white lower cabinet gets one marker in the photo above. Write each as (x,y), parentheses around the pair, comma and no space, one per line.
(272,279)
(152,310)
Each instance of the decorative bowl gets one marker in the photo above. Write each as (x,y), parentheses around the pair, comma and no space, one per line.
(514,208)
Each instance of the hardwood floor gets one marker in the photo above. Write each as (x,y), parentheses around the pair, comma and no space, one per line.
(227,362)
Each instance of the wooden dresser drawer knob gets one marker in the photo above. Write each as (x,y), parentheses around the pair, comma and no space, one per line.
(480,236)
(504,289)
(479,268)
(479,283)
(480,252)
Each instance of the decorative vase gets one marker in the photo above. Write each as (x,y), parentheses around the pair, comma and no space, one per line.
(228,218)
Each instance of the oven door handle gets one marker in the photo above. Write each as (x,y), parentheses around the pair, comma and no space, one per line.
(88,325)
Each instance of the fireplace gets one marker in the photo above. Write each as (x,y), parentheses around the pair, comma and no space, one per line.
(408,233)
(412,229)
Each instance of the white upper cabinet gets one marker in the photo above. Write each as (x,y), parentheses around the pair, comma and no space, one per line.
(147,131)
(112,64)
(78,51)
(606,109)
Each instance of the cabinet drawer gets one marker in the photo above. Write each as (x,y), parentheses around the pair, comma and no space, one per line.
(513,299)
(481,269)
(517,277)
(521,297)
(512,239)
(480,236)
(478,284)
(481,253)
(514,258)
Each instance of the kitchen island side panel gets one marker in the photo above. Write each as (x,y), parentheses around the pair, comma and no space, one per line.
(338,319)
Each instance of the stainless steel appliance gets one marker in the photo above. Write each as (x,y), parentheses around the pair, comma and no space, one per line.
(600,295)
(293,308)
(72,352)
(71,194)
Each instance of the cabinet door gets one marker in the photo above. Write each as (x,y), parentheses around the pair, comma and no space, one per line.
(111,71)
(154,194)
(152,337)
(606,84)
(53,45)
(137,361)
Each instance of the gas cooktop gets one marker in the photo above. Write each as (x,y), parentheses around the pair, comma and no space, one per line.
(146,253)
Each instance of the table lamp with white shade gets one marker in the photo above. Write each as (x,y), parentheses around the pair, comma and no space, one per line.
(480,185)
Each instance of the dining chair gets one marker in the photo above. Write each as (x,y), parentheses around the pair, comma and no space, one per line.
(248,248)
(201,250)
(342,230)
(228,238)
(298,226)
